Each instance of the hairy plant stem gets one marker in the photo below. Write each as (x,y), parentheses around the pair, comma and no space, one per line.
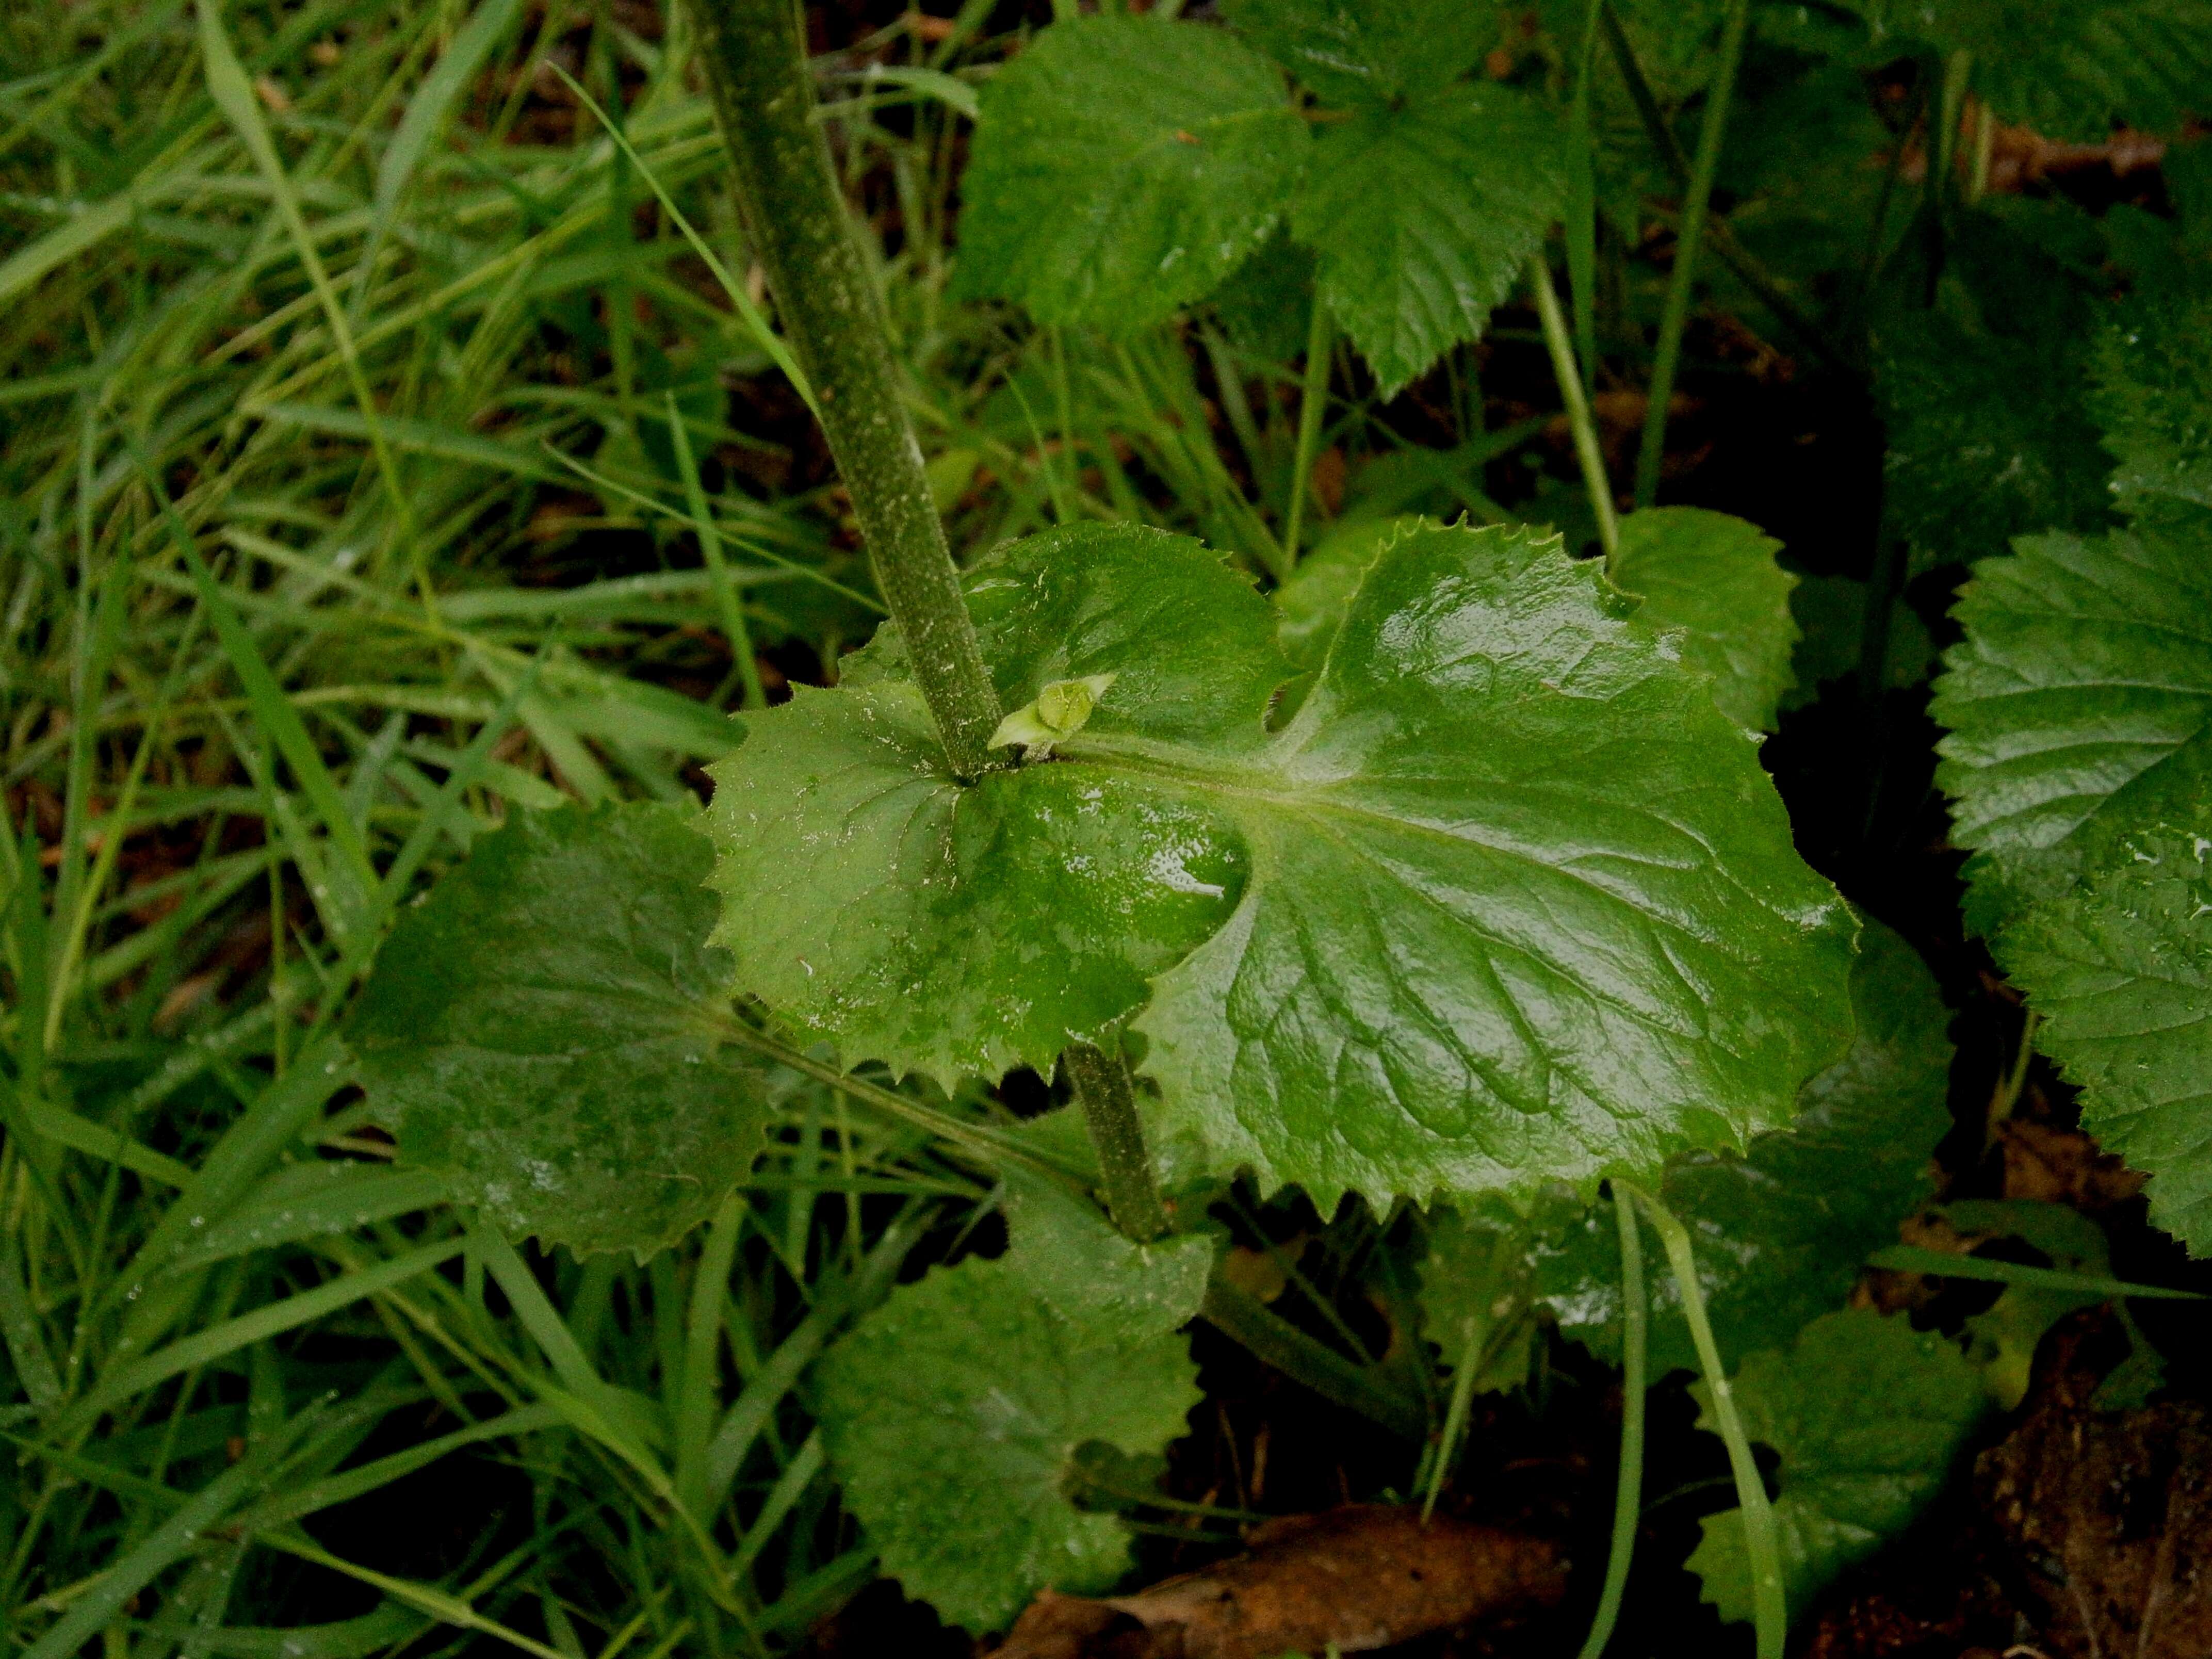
(1628,1490)
(1101,1082)
(1313,401)
(1248,1321)
(1687,238)
(795,216)
(1762,1542)
(1578,409)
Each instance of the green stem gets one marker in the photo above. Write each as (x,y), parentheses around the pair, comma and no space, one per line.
(1762,1544)
(1730,252)
(1692,234)
(754,61)
(1101,1082)
(1313,402)
(1246,1321)
(1628,1492)
(1578,409)
(1582,206)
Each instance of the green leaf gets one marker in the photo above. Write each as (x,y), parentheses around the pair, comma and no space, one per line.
(1830,612)
(1266,304)
(545,1028)
(1377,53)
(2120,970)
(1309,607)
(2079,703)
(1988,436)
(874,900)
(1122,166)
(1785,1229)
(2070,71)
(1476,1302)
(1067,1253)
(1424,216)
(1868,1415)
(953,1414)
(1523,905)
(2003,1338)
(1714,577)
(1508,899)
(2153,398)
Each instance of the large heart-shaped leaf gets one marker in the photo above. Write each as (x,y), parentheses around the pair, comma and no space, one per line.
(1122,166)
(2079,703)
(547,1028)
(1508,899)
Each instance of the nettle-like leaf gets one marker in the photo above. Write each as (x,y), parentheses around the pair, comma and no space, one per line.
(1424,215)
(2070,71)
(1377,53)
(1785,1229)
(1715,578)
(2079,703)
(1989,438)
(1508,899)
(2120,970)
(1122,166)
(2153,369)
(1868,1415)
(953,1415)
(548,1029)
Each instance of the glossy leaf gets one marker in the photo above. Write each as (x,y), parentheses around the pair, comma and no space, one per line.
(1122,166)
(874,900)
(1377,53)
(2070,71)
(1309,607)
(1601,945)
(953,1415)
(2120,970)
(1714,577)
(546,1029)
(2079,703)
(1424,216)
(1868,1415)
(2154,368)
(1785,1229)
(1523,907)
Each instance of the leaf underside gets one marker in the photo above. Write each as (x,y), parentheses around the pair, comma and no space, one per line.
(952,1416)
(1508,899)
(1867,1416)
(544,1029)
